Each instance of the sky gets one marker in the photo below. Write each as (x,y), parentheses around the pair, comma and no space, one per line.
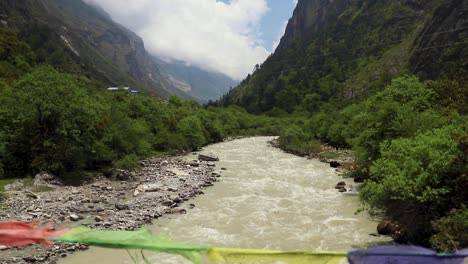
(227,36)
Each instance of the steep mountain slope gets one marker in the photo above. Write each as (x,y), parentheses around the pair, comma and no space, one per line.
(342,51)
(81,39)
(200,84)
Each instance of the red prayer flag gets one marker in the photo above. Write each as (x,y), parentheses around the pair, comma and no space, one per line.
(22,234)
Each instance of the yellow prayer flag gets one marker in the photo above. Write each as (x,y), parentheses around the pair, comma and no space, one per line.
(290,257)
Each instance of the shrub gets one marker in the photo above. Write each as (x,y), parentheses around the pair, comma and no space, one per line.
(451,231)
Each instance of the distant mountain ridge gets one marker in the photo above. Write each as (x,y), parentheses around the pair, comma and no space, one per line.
(340,51)
(82,39)
(199,83)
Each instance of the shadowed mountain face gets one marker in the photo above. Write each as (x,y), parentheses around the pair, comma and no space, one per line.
(82,39)
(341,51)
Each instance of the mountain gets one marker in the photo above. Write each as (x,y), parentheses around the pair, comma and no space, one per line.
(200,84)
(82,39)
(337,52)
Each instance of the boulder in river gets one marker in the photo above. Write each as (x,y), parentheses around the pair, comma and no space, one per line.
(358,180)
(340,185)
(334,164)
(207,157)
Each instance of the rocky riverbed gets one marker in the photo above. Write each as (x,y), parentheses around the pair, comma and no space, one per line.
(123,202)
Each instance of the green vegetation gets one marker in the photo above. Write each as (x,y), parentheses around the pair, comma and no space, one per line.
(61,124)
(451,231)
(294,139)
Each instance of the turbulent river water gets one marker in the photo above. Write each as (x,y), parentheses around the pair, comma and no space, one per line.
(266,199)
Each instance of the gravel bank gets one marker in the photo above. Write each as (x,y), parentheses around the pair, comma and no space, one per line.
(161,187)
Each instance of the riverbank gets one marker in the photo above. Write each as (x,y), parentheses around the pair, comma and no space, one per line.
(126,201)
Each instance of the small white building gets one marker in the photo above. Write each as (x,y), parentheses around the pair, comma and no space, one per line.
(113,89)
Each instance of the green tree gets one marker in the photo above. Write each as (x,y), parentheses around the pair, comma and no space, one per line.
(414,181)
(190,128)
(54,125)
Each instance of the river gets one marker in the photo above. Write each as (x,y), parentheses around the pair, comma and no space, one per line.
(266,199)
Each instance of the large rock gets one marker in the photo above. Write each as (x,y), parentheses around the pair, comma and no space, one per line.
(46,179)
(340,185)
(16,186)
(123,175)
(207,157)
(387,227)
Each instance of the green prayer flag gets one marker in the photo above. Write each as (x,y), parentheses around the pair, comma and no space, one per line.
(141,239)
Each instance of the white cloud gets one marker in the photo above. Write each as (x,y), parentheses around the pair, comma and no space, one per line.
(210,34)
(280,35)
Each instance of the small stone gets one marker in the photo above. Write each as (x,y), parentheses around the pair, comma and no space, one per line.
(175,198)
(167,203)
(98,218)
(194,163)
(121,207)
(180,211)
(31,194)
(223,169)
(74,217)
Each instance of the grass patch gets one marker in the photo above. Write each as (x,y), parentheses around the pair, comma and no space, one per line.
(28,181)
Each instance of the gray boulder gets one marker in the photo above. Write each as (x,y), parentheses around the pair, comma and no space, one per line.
(46,179)
(207,157)
(16,186)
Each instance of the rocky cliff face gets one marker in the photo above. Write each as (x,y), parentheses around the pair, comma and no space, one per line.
(441,47)
(341,51)
(311,17)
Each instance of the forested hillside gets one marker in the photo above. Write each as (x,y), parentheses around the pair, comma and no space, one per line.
(388,79)
(341,51)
